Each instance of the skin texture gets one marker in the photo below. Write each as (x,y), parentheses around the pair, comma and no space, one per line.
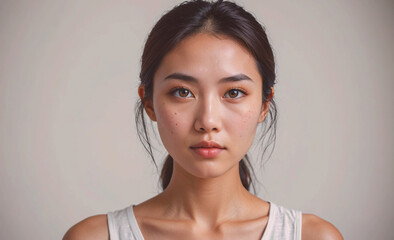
(207,113)
(200,198)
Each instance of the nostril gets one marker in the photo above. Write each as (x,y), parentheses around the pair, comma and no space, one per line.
(213,129)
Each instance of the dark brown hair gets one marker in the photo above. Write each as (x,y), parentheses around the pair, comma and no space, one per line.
(219,17)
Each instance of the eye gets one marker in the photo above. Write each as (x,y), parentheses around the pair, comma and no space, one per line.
(181,92)
(235,93)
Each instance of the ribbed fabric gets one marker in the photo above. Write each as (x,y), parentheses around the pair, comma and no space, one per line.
(283,224)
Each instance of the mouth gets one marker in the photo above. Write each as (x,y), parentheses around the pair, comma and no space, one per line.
(208,149)
(207,144)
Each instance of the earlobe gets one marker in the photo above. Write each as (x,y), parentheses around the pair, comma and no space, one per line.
(266,106)
(264,111)
(148,105)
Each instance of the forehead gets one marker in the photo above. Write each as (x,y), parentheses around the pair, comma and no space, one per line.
(208,56)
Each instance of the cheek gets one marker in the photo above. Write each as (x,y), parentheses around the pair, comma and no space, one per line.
(171,122)
(242,122)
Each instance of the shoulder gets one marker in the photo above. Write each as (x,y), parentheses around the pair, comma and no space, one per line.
(94,227)
(314,227)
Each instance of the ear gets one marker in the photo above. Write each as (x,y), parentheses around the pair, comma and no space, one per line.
(148,104)
(266,106)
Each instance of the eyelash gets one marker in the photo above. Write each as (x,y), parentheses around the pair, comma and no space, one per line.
(174,90)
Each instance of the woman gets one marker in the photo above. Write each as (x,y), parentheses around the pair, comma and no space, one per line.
(207,79)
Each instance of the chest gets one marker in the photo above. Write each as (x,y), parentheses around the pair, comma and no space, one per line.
(159,229)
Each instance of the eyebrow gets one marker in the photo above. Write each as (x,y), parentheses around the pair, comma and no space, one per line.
(187,78)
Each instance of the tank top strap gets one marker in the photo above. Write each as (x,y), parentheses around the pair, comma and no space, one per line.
(283,223)
(123,225)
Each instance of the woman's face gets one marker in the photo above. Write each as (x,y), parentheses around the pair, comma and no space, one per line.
(207,89)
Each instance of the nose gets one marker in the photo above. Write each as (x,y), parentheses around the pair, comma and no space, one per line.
(208,115)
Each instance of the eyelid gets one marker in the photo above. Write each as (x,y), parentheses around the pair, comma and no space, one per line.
(175,89)
(243,91)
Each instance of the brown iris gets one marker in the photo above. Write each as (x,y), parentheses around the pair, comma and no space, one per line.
(183,92)
(233,93)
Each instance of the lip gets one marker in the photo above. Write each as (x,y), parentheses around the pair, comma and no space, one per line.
(207,144)
(207,149)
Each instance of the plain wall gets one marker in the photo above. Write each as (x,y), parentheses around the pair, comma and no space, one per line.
(68,84)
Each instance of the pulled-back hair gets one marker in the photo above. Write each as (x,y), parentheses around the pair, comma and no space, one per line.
(219,17)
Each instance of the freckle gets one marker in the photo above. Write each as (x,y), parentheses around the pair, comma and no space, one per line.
(176,124)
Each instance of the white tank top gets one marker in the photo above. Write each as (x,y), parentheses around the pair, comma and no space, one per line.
(283,223)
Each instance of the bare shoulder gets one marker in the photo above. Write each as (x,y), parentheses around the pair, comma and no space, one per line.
(314,227)
(94,227)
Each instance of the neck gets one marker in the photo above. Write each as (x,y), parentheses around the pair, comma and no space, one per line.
(206,200)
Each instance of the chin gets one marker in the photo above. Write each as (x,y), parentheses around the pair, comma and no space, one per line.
(207,169)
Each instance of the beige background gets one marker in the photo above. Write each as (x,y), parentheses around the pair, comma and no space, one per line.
(68,81)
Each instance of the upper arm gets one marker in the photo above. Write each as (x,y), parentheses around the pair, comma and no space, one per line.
(314,227)
(95,227)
